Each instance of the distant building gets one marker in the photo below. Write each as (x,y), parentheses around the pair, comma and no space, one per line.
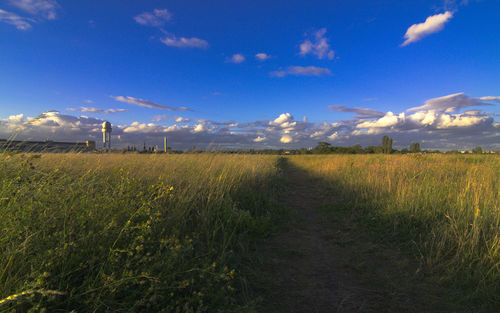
(46,146)
(106,134)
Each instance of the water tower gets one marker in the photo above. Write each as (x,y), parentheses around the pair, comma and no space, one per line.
(106,134)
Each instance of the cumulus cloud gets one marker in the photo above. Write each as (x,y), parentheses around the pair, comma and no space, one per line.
(302,71)
(180,119)
(318,46)
(148,104)
(50,125)
(451,103)
(43,8)
(286,139)
(96,110)
(460,120)
(183,42)
(282,119)
(19,22)
(156,18)
(137,127)
(432,24)
(259,139)
(236,58)
(389,119)
(262,56)
(360,112)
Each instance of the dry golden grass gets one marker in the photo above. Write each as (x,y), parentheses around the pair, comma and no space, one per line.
(446,208)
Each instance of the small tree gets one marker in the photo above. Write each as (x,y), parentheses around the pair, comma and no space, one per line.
(415,147)
(477,150)
(323,148)
(386,145)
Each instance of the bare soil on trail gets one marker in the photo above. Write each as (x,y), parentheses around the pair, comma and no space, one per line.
(314,266)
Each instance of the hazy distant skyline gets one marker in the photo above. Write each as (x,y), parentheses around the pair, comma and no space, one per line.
(252,74)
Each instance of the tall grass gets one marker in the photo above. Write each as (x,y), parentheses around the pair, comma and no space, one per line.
(130,233)
(444,208)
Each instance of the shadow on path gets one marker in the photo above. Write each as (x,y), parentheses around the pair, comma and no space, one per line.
(320,264)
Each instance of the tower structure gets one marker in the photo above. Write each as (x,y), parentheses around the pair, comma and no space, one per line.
(165,144)
(106,134)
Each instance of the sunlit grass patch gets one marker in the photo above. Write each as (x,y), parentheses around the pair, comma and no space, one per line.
(133,233)
(443,209)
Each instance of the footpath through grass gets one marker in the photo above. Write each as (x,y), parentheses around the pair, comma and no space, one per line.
(441,212)
(131,233)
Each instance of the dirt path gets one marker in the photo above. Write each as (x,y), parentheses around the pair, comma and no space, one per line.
(309,271)
(307,268)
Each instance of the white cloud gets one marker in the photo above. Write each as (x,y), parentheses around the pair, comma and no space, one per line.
(302,71)
(283,118)
(259,139)
(180,119)
(262,56)
(388,120)
(19,22)
(137,127)
(432,24)
(424,117)
(334,136)
(237,58)
(156,18)
(459,120)
(183,42)
(318,46)
(44,8)
(96,110)
(286,139)
(490,98)
(450,103)
(148,104)
(16,118)
(200,128)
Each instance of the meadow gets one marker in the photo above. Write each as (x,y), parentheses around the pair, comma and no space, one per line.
(442,210)
(176,233)
(130,233)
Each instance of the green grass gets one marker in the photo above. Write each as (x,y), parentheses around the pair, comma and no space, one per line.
(131,233)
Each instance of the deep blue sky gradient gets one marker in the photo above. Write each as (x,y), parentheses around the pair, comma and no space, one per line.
(60,63)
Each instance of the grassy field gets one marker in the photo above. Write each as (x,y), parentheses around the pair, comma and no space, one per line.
(172,233)
(130,233)
(444,210)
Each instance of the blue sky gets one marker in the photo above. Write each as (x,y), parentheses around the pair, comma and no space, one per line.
(252,73)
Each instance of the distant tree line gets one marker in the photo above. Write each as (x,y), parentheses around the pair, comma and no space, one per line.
(321,148)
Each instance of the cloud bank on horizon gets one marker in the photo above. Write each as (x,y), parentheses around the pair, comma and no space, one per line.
(438,123)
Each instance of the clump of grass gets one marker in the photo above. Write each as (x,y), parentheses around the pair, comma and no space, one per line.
(444,209)
(130,233)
